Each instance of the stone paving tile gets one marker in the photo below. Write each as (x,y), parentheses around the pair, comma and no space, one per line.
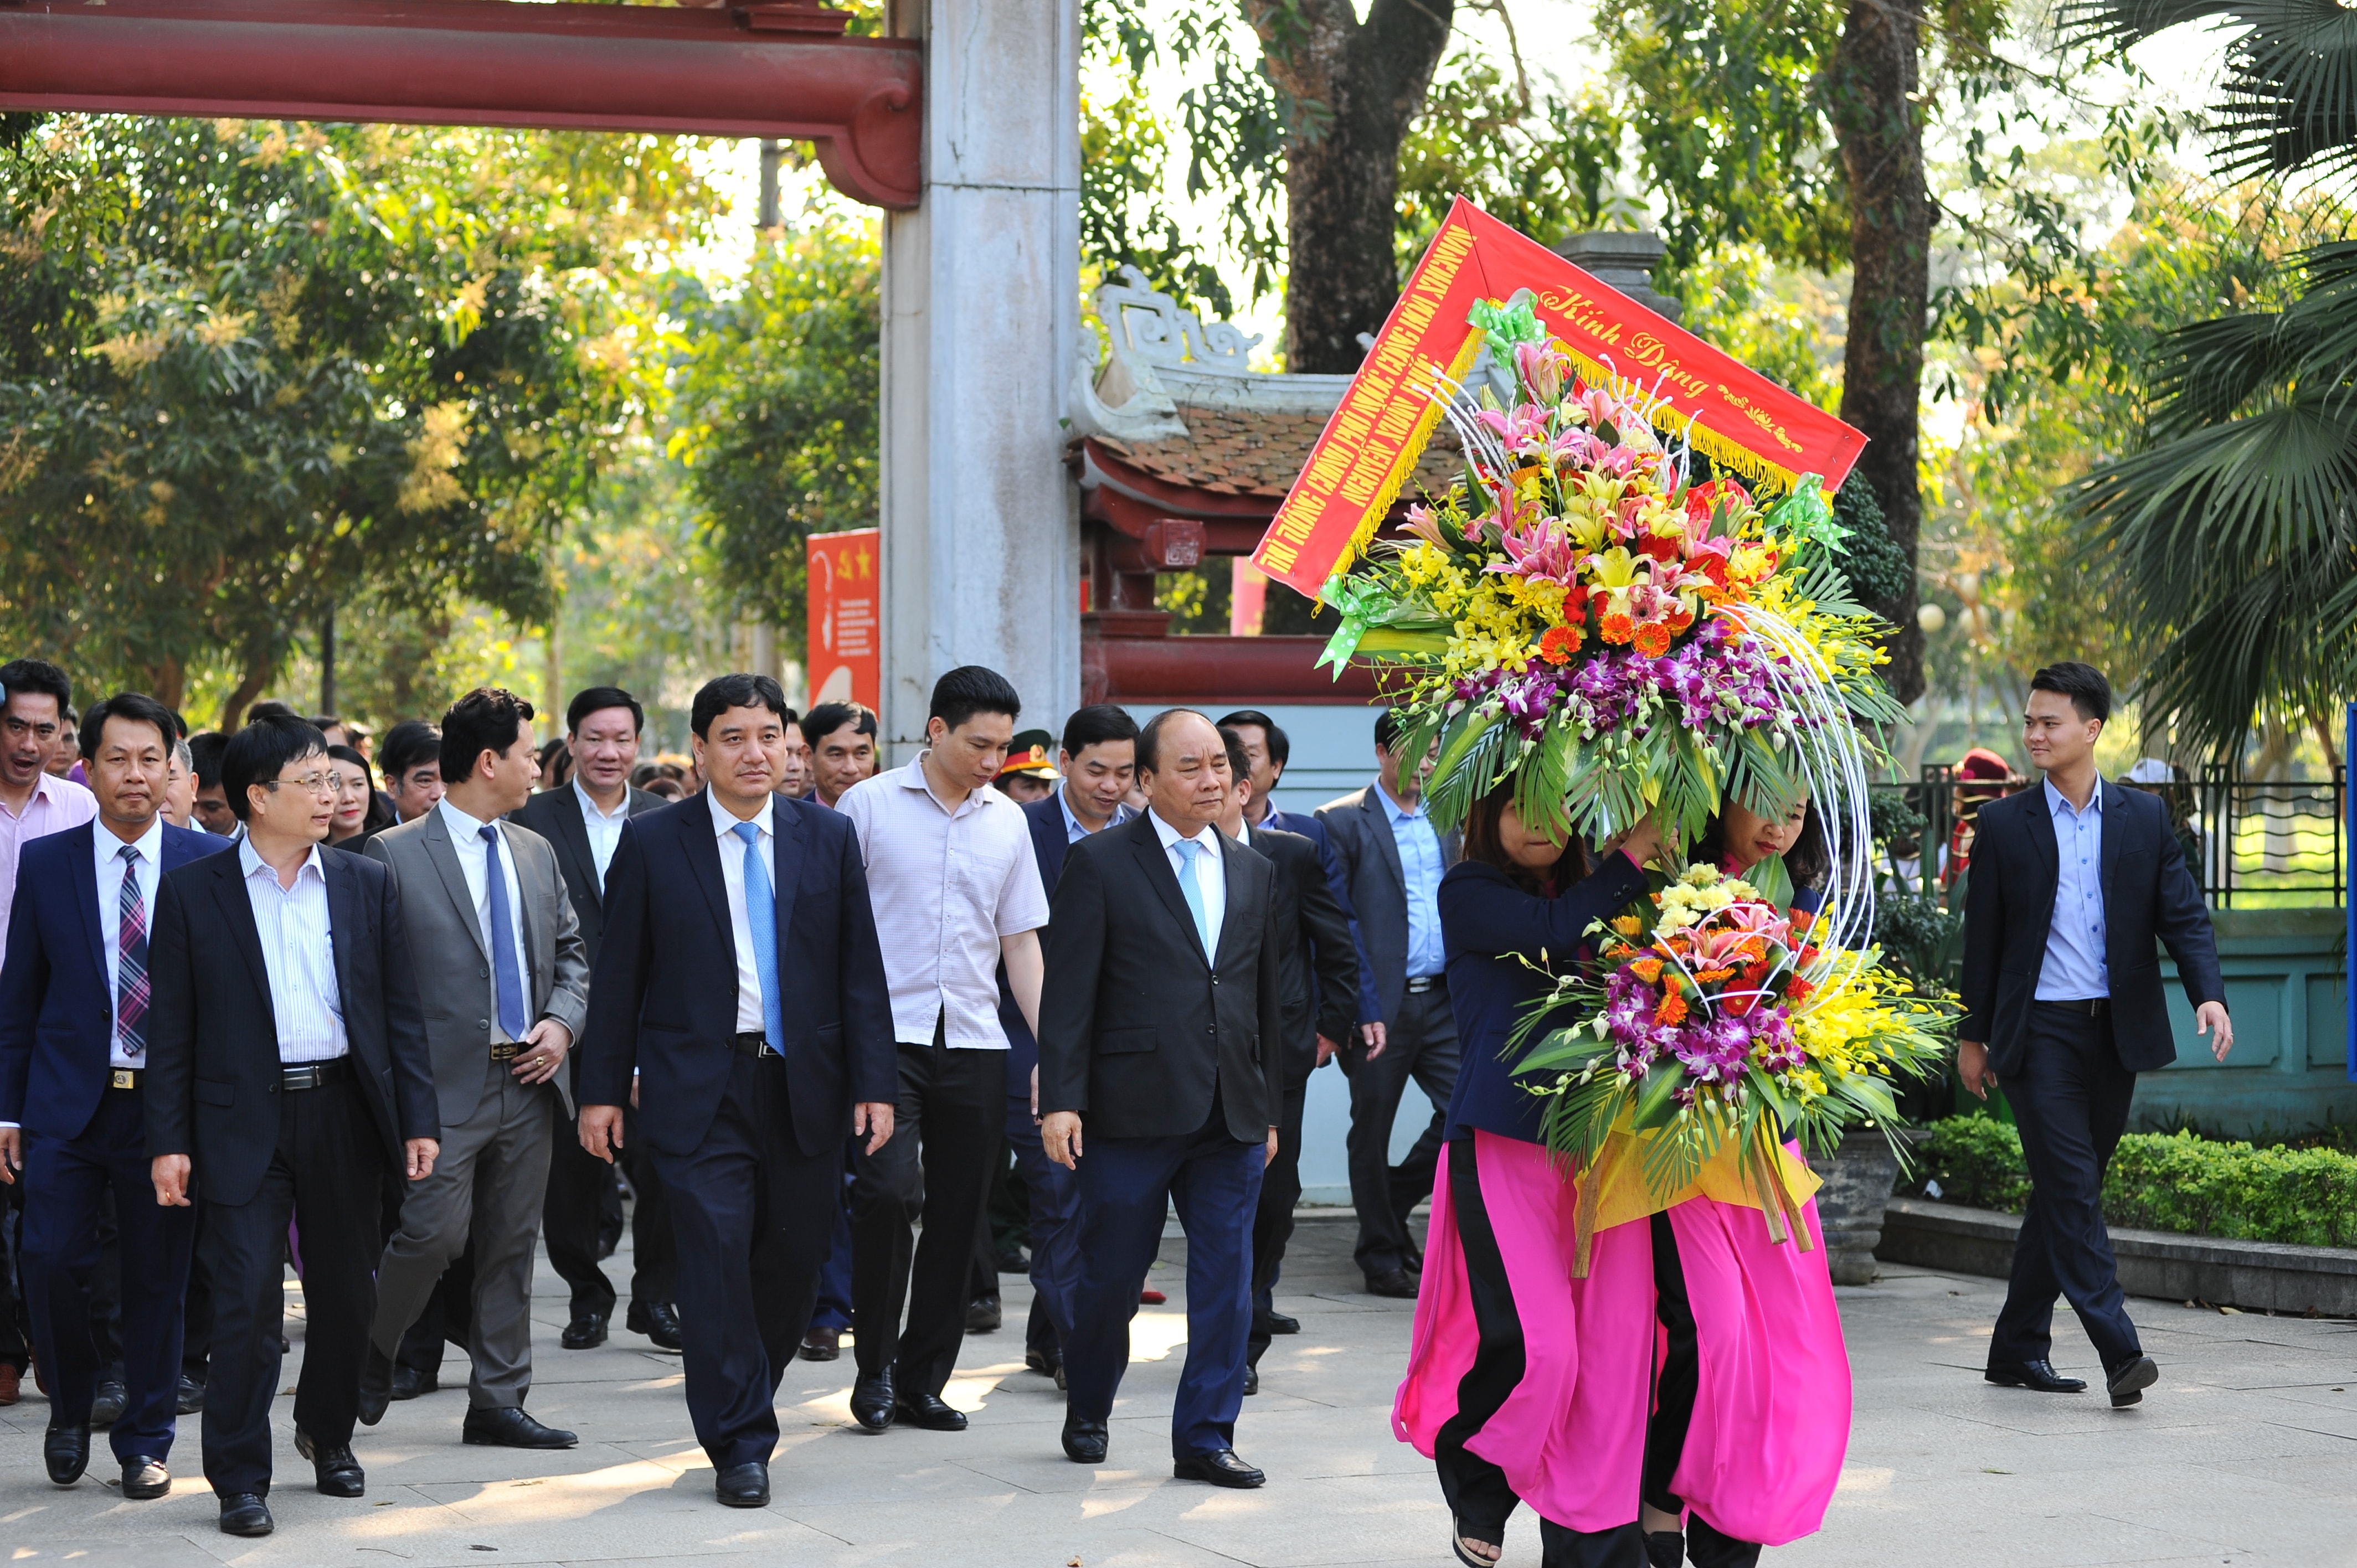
(2244,1453)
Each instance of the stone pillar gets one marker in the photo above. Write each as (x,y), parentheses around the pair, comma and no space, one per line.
(981,517)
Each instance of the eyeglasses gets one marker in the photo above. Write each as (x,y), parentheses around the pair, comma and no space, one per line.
(309,784)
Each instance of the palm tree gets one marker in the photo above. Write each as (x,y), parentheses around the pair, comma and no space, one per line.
(2232,525)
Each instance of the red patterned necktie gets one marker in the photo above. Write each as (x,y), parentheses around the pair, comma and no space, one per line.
(130,946)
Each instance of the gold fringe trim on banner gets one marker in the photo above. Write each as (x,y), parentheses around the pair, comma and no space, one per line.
(1718,448)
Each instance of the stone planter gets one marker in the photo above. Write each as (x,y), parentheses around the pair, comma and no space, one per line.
(1858,1183)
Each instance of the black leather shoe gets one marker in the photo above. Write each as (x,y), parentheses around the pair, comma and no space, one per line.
(1707,1548)
(658,1323)
(821,1345)
(1665,1549)
(1221,1469)
(982,1316)
(744,1485)
(1278,1323)
(66,1451)
(376,1387)
(244,1513)
(338,1473)
(145,1479)
(586,1332)
(1397,1283)
(1251,1380)
(2038,1375)
(509,1427)
(193,1395)
(1085,1441)
(872,1399)
(927,1412)
(408,1383)
(1046,1363)
(2127,1385)
(106,1406)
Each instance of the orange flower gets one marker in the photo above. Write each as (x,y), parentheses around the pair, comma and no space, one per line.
(1619,626)
(1672,1010)
(1714,977)
(1797,990)
(1652,638)
(1648,969)
(1559,644)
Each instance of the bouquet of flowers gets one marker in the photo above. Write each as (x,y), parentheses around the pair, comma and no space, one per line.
(1715,1029)
(1578,616)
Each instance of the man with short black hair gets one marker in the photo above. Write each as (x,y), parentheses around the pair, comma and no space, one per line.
(212,807)
(842,738)
(583,821)
(74,1003)
(740,995)
(956,892)
(35,700)
(495,938)
(2072,884)
(283,990)
(410,762)
(796,780)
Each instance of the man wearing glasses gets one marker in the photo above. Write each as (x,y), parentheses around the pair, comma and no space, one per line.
(288,1066)
(34,802)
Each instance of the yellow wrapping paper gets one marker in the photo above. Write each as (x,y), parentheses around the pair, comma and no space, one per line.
(1764,1176)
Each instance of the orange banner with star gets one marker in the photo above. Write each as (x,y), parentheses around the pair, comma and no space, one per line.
(845,656)
(1739,418)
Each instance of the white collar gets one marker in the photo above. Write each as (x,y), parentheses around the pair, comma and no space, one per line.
(251,863)
(913,778)
(724,820)
(460,824)
(1206,836)
(2056,802)
(150,844)
(589,807)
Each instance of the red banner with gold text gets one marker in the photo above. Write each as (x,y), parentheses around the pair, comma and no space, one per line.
(1741,419)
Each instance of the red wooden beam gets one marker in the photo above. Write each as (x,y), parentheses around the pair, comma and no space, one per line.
(774,70)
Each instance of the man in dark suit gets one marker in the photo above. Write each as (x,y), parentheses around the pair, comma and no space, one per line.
(583,821)
(73,1050)
(288,1066)
(1097,764)
(2072,884)
(742,984)
(1320,966)
(1393,859)
(1161,1045)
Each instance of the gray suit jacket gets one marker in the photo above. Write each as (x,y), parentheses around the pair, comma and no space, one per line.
(1359,826)
(454,966)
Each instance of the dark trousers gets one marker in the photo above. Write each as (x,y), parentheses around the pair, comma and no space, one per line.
(1128,1185)
(835,1280)
(196,1308)
(936,1165)
(750,1211)
(1053,1198)
(654,1249)
(66,1180)
(1421,1048)
(16,1325)
(1280,1190)
(573,1215)
(324,1174)
(1479,1494)
(2069,1100)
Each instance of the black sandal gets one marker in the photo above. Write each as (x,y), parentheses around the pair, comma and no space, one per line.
(1665,1548)
(1457,1540)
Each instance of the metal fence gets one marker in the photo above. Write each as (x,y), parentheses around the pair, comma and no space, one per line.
(2250,844)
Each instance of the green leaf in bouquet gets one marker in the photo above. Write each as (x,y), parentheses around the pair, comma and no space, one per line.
(1394,644)
(1543,782)
(1578,1120)
(1656,1105)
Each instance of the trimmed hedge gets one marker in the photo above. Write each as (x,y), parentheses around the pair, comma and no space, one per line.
(2165,1181)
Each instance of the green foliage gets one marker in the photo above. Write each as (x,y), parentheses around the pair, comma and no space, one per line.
(778,413)
(1878,571)
(1919,937)
(251,371)
(2166,1181)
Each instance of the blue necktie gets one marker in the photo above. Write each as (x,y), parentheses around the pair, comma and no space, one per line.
(507,975)
(761,916)
(1188,849)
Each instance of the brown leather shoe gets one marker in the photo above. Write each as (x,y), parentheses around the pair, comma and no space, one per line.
(9,1380)
(821,1345)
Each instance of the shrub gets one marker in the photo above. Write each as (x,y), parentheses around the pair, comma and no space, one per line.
(2166,1181)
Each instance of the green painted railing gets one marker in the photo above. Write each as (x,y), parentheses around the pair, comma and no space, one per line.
(2286,989)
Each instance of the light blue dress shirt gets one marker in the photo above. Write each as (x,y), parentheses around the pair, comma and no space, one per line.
(2075,969)
(1420,868)
(1075,830)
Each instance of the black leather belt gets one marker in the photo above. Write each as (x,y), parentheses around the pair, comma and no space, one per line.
(752,1045)
(1418,985)
(2084,1006)
(315,1075)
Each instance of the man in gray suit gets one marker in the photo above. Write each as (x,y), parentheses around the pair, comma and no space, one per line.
(499,956)
(1392,858)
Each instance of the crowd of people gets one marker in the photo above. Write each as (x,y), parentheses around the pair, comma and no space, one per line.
(393,1012)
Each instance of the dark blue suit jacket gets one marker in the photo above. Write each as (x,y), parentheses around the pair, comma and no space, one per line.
(662,998)
(1048,844)
(57,1013)
(1309,827)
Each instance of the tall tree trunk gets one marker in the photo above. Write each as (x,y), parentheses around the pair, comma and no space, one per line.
(259,667)
(1356,85)
(1871,88)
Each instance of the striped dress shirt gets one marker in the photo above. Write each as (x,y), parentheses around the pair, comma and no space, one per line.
(299,953)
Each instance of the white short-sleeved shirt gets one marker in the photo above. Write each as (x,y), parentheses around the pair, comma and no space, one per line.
(947,887)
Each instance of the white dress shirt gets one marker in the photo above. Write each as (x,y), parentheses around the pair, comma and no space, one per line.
(111,867)
(1211,874)
(948,885)
(605,830)
(474,864)
(299,952)
(732,877)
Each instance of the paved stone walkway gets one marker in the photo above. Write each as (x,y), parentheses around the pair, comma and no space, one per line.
(2245,1454)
